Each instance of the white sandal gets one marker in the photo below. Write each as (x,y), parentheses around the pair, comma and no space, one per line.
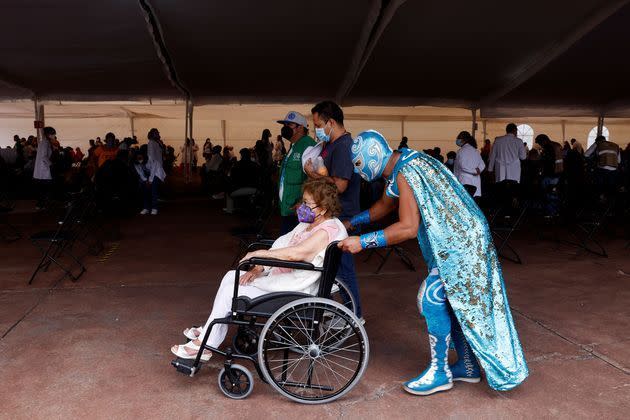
(189,333)
(180,351)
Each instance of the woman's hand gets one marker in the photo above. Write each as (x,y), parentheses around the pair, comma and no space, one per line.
(250,276)
(351,245)
(253,254)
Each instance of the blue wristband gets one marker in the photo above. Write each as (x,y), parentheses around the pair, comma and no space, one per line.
(362,218)
(373,240)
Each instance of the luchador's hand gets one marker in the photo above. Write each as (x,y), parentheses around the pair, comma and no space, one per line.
(351,245)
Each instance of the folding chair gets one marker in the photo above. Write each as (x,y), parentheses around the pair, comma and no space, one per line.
(253,233)
(53,244)
(502,226)
(589,223)
(384,253)
(505,216)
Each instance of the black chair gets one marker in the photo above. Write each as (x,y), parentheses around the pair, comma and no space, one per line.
(245,235)
(503,226)
(55,243)
(506,213)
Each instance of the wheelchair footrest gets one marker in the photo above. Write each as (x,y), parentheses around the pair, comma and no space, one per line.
(185,366)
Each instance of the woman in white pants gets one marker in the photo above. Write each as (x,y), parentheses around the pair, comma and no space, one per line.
(307,242)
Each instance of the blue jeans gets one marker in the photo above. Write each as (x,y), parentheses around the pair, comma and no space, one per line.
(348,275)
(150,194)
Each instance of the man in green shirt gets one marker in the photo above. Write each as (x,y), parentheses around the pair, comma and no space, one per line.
(292,176)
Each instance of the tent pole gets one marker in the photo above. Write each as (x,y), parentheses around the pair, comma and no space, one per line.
(224,131)
(564,130)
(402,127)
(191,107)
(600,125)
(186,121)
(37,130)
(474,121)
(131,124)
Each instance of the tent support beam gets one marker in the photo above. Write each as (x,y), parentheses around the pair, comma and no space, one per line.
(155,31)
(224,131)
(540,59)
(474,121)
(376,23)
(39,116)
(600,125)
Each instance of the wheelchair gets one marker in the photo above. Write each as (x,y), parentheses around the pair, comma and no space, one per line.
(311,349)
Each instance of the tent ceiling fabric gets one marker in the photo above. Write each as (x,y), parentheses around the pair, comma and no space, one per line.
(240,51)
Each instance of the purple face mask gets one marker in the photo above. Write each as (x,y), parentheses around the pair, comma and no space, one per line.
(305,214)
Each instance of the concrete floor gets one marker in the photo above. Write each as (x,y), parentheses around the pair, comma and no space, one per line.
(99,348)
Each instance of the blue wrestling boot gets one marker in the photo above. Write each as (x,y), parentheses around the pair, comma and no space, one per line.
(466,369)
(437,377)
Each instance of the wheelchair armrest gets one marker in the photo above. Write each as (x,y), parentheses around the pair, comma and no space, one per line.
(261,244)
(273,262)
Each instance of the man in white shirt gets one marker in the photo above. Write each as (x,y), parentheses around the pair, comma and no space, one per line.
(468,164)
(41,171)
(506,155)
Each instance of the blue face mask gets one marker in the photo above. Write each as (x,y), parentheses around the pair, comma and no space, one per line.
(320,133)
(459,142)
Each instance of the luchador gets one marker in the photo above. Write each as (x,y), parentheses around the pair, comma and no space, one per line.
(463,299)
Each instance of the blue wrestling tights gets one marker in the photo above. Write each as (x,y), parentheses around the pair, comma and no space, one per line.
(434,307)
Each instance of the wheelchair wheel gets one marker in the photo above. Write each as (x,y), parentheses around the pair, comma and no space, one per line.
(341,293)
(309,360)
(245,341)
(237,383)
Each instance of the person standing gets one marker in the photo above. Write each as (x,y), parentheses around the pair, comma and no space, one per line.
(463,297)
(337,157)
(43,161)
(552,168)
(506,155)
(608,158)
(155,163)
(292,176)
(505,161)
(468,164)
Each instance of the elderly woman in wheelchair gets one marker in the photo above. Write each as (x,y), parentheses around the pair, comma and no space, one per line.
(301,334)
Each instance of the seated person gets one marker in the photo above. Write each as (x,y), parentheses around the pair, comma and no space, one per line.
(318,227)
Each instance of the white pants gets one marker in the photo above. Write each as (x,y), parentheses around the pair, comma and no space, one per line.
(223,306)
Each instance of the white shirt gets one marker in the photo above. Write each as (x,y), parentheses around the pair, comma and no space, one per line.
(42,160)
(467,161)
(155,161)
(505,158)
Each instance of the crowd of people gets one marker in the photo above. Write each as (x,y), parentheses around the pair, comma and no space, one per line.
(120,171)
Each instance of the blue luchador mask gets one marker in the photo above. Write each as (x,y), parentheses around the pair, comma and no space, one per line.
(370,153)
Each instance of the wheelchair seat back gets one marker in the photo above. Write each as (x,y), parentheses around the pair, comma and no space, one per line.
(267,304)
(332,261)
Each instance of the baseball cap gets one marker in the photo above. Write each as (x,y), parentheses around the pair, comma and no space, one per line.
(295,118)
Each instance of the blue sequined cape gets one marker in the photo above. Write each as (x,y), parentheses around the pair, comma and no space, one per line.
(454,237)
